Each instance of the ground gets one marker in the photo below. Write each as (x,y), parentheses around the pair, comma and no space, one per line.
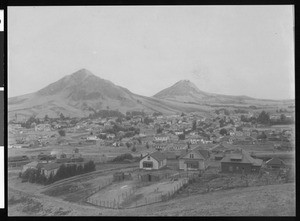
(272,200)
(213,194)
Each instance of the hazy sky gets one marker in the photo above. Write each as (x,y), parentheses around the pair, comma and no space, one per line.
(235,50)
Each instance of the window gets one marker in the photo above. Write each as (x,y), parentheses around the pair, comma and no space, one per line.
(147,164)
(191,155)
(194,165)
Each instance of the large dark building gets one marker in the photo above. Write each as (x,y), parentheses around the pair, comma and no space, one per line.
(240,161)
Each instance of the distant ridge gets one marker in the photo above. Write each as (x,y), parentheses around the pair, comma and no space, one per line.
(82,93)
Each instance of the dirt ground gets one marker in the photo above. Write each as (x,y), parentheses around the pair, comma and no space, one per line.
(273,200)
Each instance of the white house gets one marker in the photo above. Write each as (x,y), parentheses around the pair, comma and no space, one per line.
(161,138)
(178,132)
(153,161)
(195,159)
(110,136)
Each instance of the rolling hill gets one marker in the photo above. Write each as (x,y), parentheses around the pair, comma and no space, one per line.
(78,94)
(82,93)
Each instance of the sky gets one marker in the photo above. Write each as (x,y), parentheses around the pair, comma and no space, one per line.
(233,50)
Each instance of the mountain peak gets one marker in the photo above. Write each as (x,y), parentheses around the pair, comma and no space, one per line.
(181,88)
(82,73)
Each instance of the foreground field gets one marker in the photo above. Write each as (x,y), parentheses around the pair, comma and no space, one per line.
(272,200)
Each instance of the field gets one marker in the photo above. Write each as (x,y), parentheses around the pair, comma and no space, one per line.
(272,200)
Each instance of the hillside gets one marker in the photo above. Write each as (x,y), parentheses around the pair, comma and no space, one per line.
(187,92)
(272,200)
(80,93)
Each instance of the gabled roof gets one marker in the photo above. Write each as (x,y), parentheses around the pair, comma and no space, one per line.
(51,166)
(204,153)
(157,155)
(245,158)
(32,164)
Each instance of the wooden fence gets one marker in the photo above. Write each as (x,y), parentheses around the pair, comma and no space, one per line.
(120,203)
(98,188)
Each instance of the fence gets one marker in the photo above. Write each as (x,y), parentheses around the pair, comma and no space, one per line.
(115,203)
(98,188)
(123,200)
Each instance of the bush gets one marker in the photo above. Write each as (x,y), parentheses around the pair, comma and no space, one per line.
(133,149)
(62,133)
(122,157)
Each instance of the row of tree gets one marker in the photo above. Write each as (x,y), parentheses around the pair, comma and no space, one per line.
(264,118)
(36,176)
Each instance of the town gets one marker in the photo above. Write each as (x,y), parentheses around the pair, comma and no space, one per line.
(117,161)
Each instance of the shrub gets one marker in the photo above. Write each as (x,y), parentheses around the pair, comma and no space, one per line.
(133,149)
(122,157)
(62,133)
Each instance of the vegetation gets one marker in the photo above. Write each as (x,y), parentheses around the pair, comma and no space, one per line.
(105,114)
(36,176)
(123,157)
(223,131)
(62,133)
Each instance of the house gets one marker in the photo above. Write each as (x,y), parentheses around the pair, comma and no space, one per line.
(153,161)
(42,127)
(50,168)
(169,155)
(178,132)
(31,165)
(275,163)
(194,159)
(92,138)
(240,161)
(58,154)
(161,138)
(194,139)
(161,146)
(110,136)
(179,145)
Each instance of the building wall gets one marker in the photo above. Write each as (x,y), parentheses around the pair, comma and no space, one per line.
(48,172)
(236,167)
(155,163)
(183,165)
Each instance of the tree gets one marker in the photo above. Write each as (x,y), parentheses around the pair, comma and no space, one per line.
(79,169)
(62,133)
(128,144)
(133,149)
(262,136)
(181,136)
(194,125)
(61,116)
(147,145)
(46,118)
(263,118)
(223,131)
(239,128)
(282,118)
(159,130)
